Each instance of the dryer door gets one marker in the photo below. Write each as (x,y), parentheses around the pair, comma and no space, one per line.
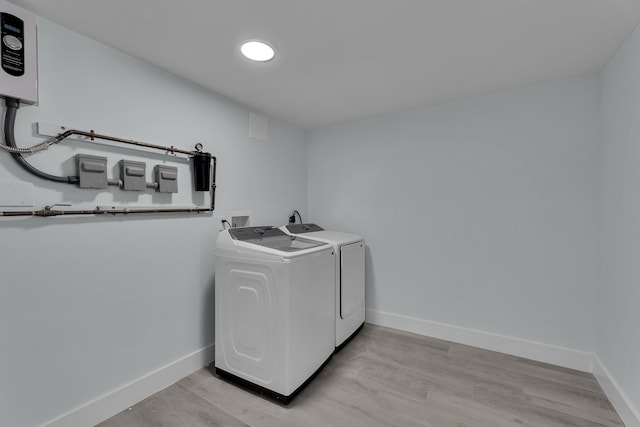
(351,278)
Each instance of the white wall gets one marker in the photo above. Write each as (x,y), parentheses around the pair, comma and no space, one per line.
(479,213)
(619,339)
(88,304)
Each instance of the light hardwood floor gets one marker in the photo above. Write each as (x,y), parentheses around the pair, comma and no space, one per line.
(386,377)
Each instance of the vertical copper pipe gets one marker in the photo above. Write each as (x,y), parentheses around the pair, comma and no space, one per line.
(213,184)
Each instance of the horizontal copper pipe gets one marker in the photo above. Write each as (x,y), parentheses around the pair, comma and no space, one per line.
(118,211)
(92,135)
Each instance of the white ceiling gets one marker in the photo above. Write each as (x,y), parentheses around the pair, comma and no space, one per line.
(341,60)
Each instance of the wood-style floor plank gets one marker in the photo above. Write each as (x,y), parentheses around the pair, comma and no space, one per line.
(386,377)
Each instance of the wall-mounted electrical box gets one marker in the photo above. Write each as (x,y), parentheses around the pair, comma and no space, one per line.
(92,171)
(133,175)
(18,53)
(237,219)
(240,220)
(167,179)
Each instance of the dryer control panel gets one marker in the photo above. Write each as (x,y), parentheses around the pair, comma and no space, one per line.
(253,233)
(303,228)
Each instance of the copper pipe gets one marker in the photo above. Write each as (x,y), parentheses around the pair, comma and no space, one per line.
(213,183)
(120,211)
(92,135)
(18,213)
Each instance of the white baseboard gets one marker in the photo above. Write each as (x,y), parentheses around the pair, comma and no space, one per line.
(628,413)
(574,359)
(112,403)
(126,396)
(554,355)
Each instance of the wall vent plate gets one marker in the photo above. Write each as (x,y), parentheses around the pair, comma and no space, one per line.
(167,179)
(92,171)
(258,127)
(133,175)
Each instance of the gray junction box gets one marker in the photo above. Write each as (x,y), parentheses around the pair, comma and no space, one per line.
(133,175)
(92,171)
(167,179)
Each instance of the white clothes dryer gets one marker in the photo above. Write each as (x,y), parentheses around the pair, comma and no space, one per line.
(349,276)
(274,309)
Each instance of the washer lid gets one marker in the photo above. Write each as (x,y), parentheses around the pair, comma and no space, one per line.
(273,238)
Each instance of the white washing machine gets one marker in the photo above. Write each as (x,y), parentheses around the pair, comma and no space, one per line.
(274,309)
(349,279)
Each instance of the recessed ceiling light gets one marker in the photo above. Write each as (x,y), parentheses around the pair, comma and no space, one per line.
(257,50)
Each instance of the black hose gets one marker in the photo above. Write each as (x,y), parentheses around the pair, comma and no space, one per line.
(9,137)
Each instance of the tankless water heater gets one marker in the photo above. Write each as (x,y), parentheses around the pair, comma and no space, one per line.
(19,59)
